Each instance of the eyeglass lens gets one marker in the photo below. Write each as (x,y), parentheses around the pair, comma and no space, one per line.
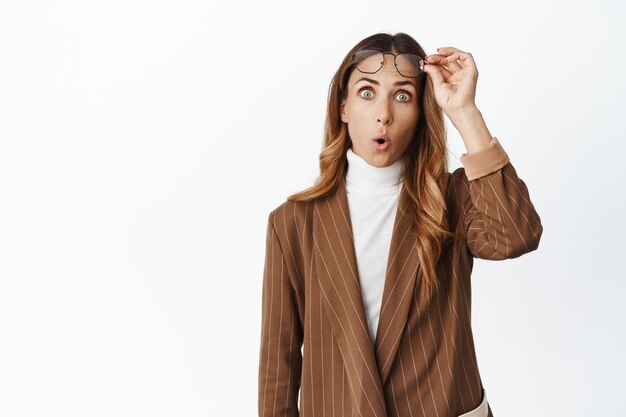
(370,61)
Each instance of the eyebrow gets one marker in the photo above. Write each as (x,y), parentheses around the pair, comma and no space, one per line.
(397,83)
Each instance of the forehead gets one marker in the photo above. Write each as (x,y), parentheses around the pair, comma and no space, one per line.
(386,76)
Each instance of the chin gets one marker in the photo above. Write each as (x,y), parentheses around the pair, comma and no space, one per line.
(382,161)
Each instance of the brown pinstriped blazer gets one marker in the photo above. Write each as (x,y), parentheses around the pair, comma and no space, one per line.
(421,366)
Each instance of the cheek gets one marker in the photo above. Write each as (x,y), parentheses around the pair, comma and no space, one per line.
(408,115)
(358,106)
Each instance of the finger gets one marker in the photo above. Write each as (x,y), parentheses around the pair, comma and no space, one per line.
(465,58)
(451,64)
(451,55)
(444,71)
(454,59)
(436,74)
(446,50)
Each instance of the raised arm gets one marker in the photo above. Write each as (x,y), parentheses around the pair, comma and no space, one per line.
(498,217)
(280,359)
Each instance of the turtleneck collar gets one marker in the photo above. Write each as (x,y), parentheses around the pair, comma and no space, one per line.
(363,178)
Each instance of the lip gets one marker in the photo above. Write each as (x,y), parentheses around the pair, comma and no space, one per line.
(387,139)
(381,147)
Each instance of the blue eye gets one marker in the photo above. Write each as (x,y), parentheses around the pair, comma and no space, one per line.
(406,94)
(366,90)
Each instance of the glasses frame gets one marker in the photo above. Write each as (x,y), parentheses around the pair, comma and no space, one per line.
(420,74)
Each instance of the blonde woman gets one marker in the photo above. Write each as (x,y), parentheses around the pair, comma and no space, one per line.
(366,300)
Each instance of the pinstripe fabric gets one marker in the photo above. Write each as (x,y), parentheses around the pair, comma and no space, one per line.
(315,344)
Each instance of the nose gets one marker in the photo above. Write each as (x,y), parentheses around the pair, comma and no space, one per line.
(384,112)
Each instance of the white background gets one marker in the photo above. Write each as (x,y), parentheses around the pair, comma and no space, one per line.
(143,144)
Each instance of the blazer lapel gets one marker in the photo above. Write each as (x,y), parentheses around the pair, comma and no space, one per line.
(402,265)
(343,301)
(341,290)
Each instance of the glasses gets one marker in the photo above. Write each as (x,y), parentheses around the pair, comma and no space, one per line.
(370,61)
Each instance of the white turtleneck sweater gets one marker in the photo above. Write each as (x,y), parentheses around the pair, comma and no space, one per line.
(373,200)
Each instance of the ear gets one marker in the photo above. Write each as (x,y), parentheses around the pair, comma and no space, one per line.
(342,110)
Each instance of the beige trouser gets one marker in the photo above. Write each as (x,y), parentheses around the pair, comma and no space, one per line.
(481,410)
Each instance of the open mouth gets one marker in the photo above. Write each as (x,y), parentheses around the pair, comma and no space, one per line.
(381,143)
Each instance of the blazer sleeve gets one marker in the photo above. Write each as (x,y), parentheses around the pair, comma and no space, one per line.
(498,218)
(280,360)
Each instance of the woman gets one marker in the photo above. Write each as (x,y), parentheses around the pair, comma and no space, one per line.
(366,288)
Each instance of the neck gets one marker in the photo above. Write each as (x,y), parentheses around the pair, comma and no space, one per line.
(361,177)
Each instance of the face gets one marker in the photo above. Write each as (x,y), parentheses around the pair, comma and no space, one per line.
(377,104)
